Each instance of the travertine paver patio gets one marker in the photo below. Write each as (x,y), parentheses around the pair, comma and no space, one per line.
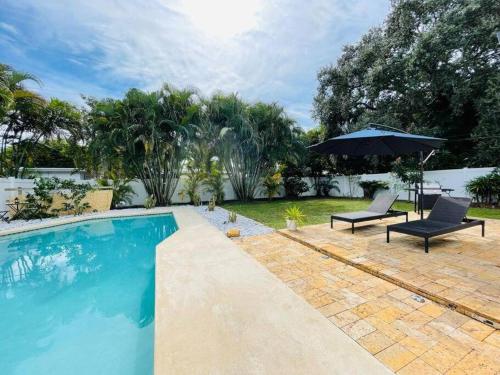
(407,335)
(462,269)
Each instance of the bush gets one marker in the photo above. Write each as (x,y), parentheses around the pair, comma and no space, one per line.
(295,186)
(194,178)
(122,191)
(272,183)
(150,202)
(485,189)
(371,187)
(326,184)
(74,194)
(214,182)
(37,205)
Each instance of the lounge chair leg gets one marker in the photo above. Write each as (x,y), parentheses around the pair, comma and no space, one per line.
(388,235)
(482,229)
(352,228)
(331,223)
(406,217)
(426,245)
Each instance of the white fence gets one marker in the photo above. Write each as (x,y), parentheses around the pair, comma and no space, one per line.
(348,185)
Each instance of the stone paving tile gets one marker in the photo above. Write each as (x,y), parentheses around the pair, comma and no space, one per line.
(476,330)
(461,267)
(494,339)
(358,329)
(409,335)
(395,357)
(375,342)
(418,367)
(344,318)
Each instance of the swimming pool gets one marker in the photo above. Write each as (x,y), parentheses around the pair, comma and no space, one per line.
(79,298)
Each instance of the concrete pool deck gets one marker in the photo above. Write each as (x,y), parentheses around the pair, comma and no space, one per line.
(218,311)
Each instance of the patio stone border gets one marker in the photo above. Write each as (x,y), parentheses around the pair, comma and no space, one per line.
(467,311)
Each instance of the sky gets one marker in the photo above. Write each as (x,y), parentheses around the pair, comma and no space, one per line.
(264,50)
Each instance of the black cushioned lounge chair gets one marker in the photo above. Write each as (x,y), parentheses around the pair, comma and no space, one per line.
(447,215)
(379,209)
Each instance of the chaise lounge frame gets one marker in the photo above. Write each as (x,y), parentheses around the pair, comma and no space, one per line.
(373,216)
(438,227)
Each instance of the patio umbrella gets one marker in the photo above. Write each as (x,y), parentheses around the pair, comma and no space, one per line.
(372,141)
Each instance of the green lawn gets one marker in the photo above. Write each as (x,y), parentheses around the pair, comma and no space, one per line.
(318,210)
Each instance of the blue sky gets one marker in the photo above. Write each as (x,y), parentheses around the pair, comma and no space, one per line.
(269,50)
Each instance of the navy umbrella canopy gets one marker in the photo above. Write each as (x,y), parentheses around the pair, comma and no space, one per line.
(377,142)
(372,141)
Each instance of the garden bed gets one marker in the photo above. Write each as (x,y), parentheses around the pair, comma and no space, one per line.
(220,219)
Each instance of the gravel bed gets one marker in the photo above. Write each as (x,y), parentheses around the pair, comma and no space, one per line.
(219,218)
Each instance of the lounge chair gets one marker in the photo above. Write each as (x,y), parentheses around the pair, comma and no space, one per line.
(447,215)
(379,209)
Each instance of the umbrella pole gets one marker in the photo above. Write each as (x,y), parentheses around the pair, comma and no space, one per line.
(421,185)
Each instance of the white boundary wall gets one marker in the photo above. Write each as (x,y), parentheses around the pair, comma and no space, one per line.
(449,178)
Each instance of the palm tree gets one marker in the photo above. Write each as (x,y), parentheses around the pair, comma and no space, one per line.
(12,88)
(252,139)
(148,133)
(23,124)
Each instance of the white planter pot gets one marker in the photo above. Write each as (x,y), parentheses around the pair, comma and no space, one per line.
(291,224)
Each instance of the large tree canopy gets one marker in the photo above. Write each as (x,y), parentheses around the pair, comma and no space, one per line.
(433,68)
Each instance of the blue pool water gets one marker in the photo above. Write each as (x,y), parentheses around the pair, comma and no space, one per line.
(79,298)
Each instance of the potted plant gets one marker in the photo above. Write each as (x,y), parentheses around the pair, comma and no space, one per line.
(294,217)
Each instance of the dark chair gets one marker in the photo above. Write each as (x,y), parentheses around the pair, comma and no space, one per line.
(447,216)
(4,216)
(379,209)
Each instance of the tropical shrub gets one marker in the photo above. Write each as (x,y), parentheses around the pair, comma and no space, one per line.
(37,205)
(194,178)
(74,193)
(317,166)
(122,191)
(371,187)
(271,184)
(150,202)
(295,186)
(214,182)
(485,189)
(325,185)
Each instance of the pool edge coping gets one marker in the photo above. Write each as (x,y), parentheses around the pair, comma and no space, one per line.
(112,214)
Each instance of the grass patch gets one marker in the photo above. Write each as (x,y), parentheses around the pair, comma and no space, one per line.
(318,210)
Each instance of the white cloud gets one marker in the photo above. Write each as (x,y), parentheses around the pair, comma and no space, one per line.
(265,50)
(9,28)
